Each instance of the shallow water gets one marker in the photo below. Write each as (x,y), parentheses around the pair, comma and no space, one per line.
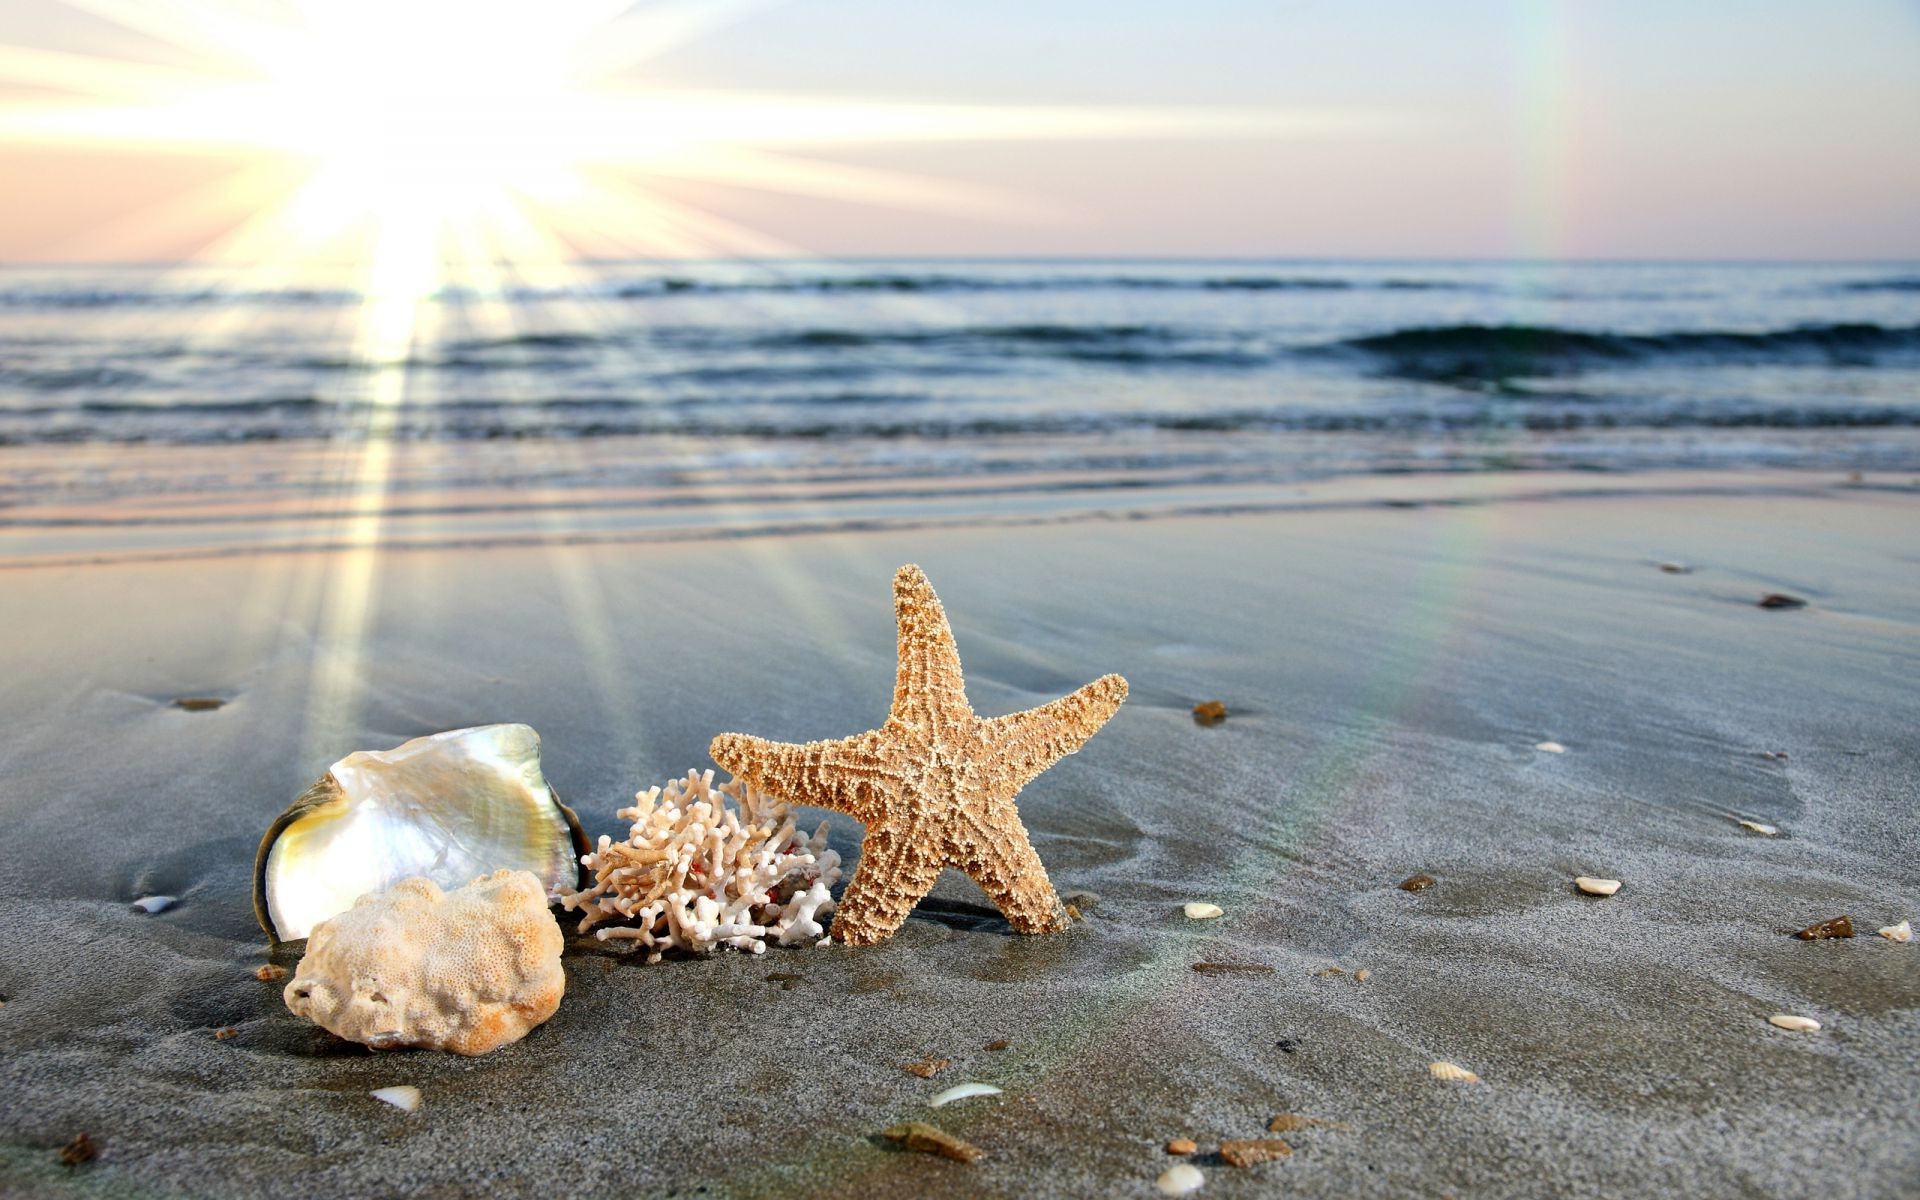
(936,366)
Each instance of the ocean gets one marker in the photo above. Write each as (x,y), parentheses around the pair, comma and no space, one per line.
(1276,368)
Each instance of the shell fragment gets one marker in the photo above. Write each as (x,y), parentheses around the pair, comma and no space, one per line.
(1451,1072)
(1202,911)
(1794,1024)
(1179,1179)
(1597,887)
(1903,932)
(963,1091)
(153,904)
(404,1097)
(1550,747)
(1761,828)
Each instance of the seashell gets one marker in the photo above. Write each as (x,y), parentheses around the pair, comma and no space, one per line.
(1179,1179)
(1903,932)
(1182,1146)
(153,904)
(1550,747)
(1796,1024)
(450,807)
(404,1097)
(469,970)
(962,1091)
(1597,887)
(1202,911)
(1760,828)
(1451,1072)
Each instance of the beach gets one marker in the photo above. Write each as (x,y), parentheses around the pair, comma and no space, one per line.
(1391,651)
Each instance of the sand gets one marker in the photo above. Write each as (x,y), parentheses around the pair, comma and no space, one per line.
(1388,671)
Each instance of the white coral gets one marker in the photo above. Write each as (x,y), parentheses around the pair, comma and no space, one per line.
(697,873)
(469,970)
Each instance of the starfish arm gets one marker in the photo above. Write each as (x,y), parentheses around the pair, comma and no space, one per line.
(928,691)
(850,775)
(1027,743)
(1008,869)
(894,874)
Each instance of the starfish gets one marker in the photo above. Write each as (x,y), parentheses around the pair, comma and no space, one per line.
(934,785)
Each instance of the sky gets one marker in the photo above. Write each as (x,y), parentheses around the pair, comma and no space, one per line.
(1757,129)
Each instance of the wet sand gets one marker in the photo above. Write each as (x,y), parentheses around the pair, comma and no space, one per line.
(1388,670)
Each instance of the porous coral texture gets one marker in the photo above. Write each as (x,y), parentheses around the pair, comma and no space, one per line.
(706,866)
(469,970)
(935,784)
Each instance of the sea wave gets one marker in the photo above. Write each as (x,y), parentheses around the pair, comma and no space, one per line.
(1481,352)
(657,287)
(878,415)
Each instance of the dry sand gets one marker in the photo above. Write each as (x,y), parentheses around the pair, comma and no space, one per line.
(1387,671)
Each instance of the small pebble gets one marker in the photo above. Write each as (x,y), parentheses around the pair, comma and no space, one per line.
(269,972)
(1294,1122)
(1781,600)
(404,1097)
(1597,887)
(80,1149)
(222,1034)
(1451,1073)
(1550,747)
(1674,568)
(1182,1146)
(927,1068)
(1199,910)
(153,904)
(1221,968)
(1838,927)
(1761,828)
(1179,1179)
(1251,1152)
(997,1044)
(1362,975)
(927,1139)
(1417,883)
(1794,1024)
(1775,755)
(1209,712)
(1903,932)
(198,703)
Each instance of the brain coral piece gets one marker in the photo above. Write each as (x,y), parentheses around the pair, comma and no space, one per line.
(697,872)
(469,970)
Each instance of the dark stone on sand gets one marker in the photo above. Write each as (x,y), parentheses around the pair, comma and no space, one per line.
(198,703)
(80,1149)
(996,1044)
(1214,968)
(1209,712)
(1674,568)
(1288,1045)
(1838,927)
(1781,600)
(1417,883)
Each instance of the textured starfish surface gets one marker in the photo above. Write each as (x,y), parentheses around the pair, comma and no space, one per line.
(935,784)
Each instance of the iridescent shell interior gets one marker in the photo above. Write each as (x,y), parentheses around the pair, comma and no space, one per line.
(450,806)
